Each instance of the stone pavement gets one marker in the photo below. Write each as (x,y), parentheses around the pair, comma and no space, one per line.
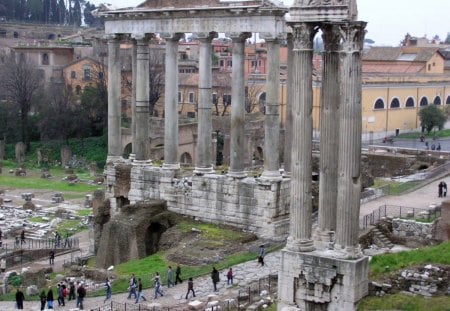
(244,273)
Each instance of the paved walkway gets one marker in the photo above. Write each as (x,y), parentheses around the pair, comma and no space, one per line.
(244,273)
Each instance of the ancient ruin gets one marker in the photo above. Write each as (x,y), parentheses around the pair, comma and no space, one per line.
(320,270)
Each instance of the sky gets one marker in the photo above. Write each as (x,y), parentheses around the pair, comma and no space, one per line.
(388,20)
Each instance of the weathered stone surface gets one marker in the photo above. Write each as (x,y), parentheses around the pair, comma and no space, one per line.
(20,150)
(66,155)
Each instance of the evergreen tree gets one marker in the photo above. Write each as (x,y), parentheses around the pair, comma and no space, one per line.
(36,10)
(62,13)
(77,13)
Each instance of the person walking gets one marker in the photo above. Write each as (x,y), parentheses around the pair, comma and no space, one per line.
(190,288)
(158,285)
(170,277)
(72,295)
(444,189)
(440,189)
(61,301)
(177,275)
(51,257)
(215,278)
(20,297)
(81,294)
(22,237)
(50,298)
(107,290)
(140,293)
(132,287)
(261,255)
(43,299)
(230,277)
(3,264)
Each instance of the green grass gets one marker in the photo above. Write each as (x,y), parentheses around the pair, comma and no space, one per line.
(70,226)
(396,188)
(387,263)
(38,220)
(39,183)
(405,303)
(210,231)
(84,212)
(416,135)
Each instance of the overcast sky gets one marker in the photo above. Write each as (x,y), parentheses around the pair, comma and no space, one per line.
(389,20)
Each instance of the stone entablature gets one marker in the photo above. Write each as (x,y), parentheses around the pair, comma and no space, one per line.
(323,11)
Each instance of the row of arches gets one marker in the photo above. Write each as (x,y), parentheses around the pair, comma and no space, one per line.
(409,103)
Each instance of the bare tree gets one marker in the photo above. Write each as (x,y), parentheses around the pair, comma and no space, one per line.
(252,92)
(19,82)
(221,92)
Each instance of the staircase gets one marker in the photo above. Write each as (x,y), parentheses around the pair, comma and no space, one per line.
(380,240)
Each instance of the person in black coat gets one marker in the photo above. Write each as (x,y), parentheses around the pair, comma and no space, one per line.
(20,297)
(50,298)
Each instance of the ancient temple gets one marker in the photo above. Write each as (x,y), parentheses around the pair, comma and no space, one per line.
(322,269)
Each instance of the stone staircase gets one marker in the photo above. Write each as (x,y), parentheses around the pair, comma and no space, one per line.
(381,240)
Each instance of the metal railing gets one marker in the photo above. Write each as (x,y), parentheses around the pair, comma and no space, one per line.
(402,212)
(30,244)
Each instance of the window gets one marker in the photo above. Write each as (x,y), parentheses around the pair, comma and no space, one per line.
(437,101)
(221,63)
(78,90)
(191,114)
(447,102)
(424,102)
(429,67)
(179,97)
(254,63)
(191,97)
(45,59)
(379,104)
(229,63)
(215,98)
(101,75)
(73,74)
(409,103)
(226,100)
(395,103)
(87,73)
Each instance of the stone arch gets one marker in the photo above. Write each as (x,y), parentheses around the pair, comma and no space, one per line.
(186,159)
(258,155)
(127,150)
(410,103)
(379,104)
(437,100)
(395,103)
(447,102)
(45,59)
(262,102)
(152,237)
(424,101)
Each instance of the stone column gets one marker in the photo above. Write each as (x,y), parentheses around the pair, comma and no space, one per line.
(301,166)
(288,123)
(272,117)
(171,160)
(329,135)
(203,157)
(237,143)
(114,105)
(133,98)
(142,99)
(349,180)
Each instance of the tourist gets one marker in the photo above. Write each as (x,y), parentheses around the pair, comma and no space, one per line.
(158,285)
(190,288)
(72,291)
(170,277)
(51,257)
(61,301)
(3,264)
(132,287)
(43,299)
(20,297)
(440,189)
(215,278)
(261,255)
(140,294)
(22,237)
(108,290)
(230,277)
(444,188)
(177,275)
(81,294)
(438,148)
(50,298)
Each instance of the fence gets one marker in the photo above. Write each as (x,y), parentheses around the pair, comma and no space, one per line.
(31,244)
(399,212)
(246,296)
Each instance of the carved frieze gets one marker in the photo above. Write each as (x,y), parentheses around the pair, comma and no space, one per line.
(323,11)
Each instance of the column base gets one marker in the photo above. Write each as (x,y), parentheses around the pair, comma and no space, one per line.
(204,170)
(171,166)
(240,174)
(132,157)
(351,252)
(142,162)
(324,239)
(113,159)
(297,245)
(271,175)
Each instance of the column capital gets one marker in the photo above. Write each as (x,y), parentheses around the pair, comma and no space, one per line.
(142,37)
(269,37)
(303,35)
(352,35)
(114,37)
(331,36)
(238,37)
(206,37)
(171,36)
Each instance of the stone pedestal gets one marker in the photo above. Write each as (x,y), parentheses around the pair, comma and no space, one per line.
(321,280)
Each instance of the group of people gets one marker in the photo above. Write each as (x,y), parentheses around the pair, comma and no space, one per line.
(442,189)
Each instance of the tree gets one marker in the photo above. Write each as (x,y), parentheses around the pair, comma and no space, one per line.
(19,82)
(76,13)
(431,117)
(221,92)
(252,92)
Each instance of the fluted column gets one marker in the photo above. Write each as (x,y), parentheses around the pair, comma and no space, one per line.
(301,165)
(133,98)
(203,157)
(237,141)
(272,117)
(288,123)
(171,104)
(349,181)
(142,99)
(329,135)
(114,105)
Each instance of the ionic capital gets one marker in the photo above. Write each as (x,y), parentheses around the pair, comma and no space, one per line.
(142,38)
(206,37)
(172,36)
(239,37)
(303,35)
(352,35)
